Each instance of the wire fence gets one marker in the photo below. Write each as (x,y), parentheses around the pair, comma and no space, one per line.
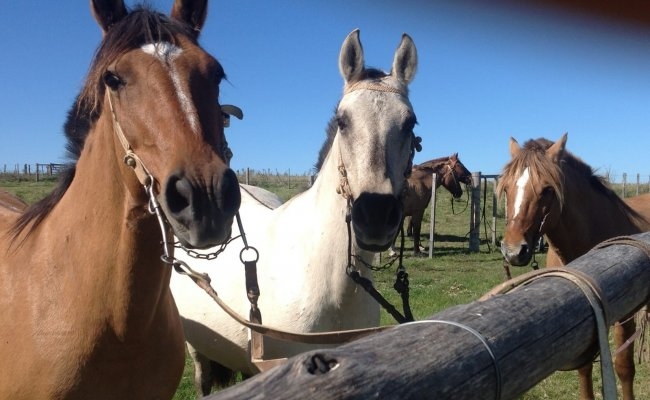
(628,184)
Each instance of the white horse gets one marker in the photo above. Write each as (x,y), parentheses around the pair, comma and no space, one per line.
(303,244)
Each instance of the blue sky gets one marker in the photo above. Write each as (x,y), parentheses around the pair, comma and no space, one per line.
(486,72)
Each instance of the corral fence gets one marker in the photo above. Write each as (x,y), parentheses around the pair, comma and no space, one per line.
(31,171)
(483,192)
(266,178)
(495,348)
(286,184)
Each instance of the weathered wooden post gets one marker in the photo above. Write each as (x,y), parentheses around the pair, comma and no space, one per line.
(475,214)
(248,176)
(432,225)
(493,349)
(624,195)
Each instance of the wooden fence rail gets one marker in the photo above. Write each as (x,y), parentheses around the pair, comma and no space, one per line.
(531,332)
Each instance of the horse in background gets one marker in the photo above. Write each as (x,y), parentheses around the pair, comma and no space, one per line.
(450,173)
(551,192)
(303,267)
(87,312)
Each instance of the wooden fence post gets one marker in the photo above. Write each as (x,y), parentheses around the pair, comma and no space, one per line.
(497,348)
(432,224)
(475,214)
(494,210)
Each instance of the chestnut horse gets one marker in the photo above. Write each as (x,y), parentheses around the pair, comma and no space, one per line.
(450,173)
(303,268)
(551,192)
(87,312)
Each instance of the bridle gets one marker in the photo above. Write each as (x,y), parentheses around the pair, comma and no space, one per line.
(401,282)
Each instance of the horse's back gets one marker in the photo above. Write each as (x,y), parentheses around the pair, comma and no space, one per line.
(641,204)
(10,202)
(262,196)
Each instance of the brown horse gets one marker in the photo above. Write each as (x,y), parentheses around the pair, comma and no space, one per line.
(551,192)
(450,173)
(86,308)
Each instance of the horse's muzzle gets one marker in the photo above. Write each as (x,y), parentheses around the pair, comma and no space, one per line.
(375,220)
(201,216)
(518,254)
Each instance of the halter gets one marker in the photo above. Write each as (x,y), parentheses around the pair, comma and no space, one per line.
(401,282)
(130,158)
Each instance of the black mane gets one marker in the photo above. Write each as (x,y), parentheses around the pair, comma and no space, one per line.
(330,132)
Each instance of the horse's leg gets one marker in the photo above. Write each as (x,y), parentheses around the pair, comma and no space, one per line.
(624,362)
(398,235)
(409,227)
(416,221)
(203,377)
(586,382)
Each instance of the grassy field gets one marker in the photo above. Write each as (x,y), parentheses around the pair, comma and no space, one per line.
(453,276)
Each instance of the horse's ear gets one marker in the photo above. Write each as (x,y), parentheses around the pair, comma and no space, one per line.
(454,156)
(351,61)
(191,12)
(514,147)
(107,12)
(405,62)
(557,149)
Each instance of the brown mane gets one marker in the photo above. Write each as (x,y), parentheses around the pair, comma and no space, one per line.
(431,163)
(532,156)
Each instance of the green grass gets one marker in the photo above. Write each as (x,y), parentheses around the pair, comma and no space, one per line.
(453,276)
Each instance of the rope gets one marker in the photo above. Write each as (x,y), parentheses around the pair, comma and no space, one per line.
(378,87)
(598,303)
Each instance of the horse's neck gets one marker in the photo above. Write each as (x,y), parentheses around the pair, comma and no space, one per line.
(318,223)
(106,237)
(438,167)
(588,217)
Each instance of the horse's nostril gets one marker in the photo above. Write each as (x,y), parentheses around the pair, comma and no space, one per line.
(524,250)
(178,194)
(229,197)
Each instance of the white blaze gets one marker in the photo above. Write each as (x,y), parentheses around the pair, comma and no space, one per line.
(522,182)
(166,53)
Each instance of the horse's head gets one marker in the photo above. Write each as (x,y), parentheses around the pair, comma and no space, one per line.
(454,174)
(374,143)
(156,91)
(532,183)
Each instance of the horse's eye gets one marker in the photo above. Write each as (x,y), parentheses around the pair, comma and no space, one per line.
(342,122)
(409,124)
(112,80)
(547,191)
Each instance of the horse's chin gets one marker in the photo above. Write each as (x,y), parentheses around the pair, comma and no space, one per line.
(373,247)
(201,240)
